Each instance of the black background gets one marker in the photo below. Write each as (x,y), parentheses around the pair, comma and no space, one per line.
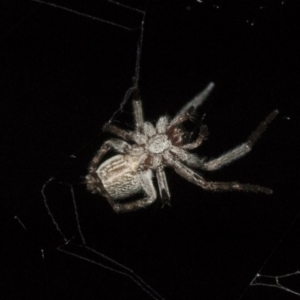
(64,75)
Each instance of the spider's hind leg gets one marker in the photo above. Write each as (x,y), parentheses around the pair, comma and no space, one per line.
(147,187)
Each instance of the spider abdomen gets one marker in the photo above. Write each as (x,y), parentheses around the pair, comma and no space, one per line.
(119,176)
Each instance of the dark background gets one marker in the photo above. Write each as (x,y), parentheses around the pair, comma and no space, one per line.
(64,75)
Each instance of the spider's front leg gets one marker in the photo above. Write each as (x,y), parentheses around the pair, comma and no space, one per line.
(241,150)
(195,178)
(186,112)
(196,101)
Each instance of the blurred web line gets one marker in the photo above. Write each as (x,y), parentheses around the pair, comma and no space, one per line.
(276,283)
(126,6)
(136,77)
(77,249)
(92,17)
(276,278)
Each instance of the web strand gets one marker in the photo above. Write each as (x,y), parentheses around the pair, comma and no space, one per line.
(90,16)
(124,271)
(259,275)
(129,92)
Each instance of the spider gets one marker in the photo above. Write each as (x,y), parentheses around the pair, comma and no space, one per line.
(149,149)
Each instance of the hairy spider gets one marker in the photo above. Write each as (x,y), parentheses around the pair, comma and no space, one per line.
(149,149)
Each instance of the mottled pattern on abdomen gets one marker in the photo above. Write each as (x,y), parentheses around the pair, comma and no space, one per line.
(119,177)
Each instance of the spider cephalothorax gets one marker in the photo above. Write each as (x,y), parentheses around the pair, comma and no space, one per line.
(149,149)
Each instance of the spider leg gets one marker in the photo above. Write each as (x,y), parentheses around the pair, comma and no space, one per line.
(191,106)
(121,133)
(137,109)
(138,118)
(195,178)
(241,150)
(114,144)
(163,185)
(201,137)
(148,188)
